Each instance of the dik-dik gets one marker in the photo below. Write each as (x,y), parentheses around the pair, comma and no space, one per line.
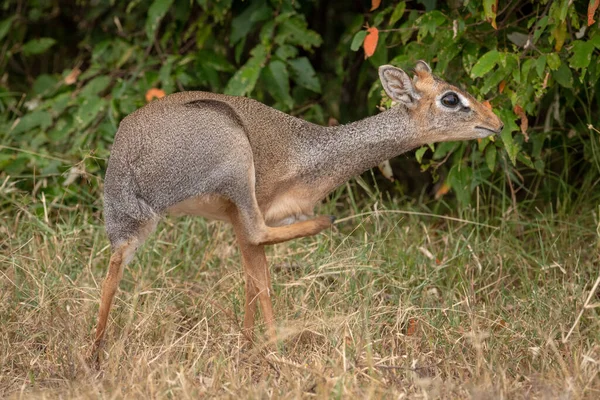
(240,161)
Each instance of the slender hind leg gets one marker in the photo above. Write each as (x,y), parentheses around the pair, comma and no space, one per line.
(121,256)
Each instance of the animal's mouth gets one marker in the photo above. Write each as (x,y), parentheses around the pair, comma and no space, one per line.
(490,131)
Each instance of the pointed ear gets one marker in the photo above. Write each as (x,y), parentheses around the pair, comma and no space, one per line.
(422,66)
(397,84)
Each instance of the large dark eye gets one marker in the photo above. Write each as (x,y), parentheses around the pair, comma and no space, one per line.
(450,100)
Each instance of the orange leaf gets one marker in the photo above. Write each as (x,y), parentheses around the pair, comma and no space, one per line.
(487,105)
(375,4)
(501,86)
(524,122)
(370,43)
(445,188)
(154,93)
(412,327)
(72,77)
(591,10)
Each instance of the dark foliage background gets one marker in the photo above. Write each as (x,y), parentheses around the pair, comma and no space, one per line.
(71,70)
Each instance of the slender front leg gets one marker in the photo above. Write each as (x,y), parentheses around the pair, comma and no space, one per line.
(250,306)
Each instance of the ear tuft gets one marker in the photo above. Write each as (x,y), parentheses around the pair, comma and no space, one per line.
(397,84)
(422,66)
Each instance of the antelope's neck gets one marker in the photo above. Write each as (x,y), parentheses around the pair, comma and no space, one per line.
(330,156)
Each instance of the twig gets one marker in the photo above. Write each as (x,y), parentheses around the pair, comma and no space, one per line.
(178,340)
(585,306)
(414,213)
(33,153)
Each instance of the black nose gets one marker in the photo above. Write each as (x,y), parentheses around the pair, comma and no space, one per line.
(501,127)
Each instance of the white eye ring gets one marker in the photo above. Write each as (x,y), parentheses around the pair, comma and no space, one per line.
(462,103)
(450,100)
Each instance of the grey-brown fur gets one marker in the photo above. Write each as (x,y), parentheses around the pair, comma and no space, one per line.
(262,170)
(196,143)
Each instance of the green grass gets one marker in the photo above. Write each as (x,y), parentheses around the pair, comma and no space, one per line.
(389,303)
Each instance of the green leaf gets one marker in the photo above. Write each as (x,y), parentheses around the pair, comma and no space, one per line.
(266,33)
(429,23)
(398,13)
(37,46)
(420,153)
(165,74)
(511,147)
(489,10)
(447,52)
(44,84)
(95,86)
(492,80)
(58,104)
(88,111)
(294,31)
(459,179)
(541,24)
(202,34)
(5,25)
(582,54)
(378,19)
(525,159)
(286,51)
(443,149)
(358,40)
(277,78)
(564,76)
(482,144)
(490,157)
(540,66)
(539,166)
(304,74)
(215,61)
(32,120)
(242,24)
(485,63)
(244,80)
(156,12)
(559,9)
(553,61)
(315,113)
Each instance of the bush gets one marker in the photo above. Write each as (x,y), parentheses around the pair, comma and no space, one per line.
(74,70)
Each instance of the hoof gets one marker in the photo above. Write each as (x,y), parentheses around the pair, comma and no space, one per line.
(332,218)
(93,360)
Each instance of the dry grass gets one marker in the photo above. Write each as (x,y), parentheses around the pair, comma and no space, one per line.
(384,306)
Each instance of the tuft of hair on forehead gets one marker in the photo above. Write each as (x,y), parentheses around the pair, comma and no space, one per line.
(422,75)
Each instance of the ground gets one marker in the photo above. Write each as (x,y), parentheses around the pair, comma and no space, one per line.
(394,302)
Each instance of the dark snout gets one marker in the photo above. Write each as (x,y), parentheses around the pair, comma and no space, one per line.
(499,129)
